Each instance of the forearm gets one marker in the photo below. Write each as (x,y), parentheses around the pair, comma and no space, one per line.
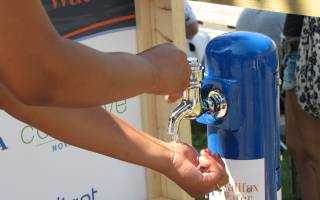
(96,130)
(69,74)
(48,70)
(42,68)
(97,78)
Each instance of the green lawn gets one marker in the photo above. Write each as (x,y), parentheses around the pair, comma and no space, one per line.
(286,176)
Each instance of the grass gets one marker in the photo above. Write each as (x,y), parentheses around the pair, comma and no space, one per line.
(199,140)
(286,176)
(199,135)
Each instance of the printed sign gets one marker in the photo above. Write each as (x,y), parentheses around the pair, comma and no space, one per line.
(38,167)
(78,18)
(246,181)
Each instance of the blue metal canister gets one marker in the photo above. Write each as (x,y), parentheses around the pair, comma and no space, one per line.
(244,67)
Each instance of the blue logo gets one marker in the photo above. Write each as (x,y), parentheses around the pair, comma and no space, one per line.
(91,195)
(3,145)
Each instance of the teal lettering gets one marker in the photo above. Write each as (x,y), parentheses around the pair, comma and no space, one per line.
(121,107)
(40,135)
(24,135)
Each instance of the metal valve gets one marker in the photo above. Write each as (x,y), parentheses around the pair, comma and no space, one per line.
(193,105)
(216,104)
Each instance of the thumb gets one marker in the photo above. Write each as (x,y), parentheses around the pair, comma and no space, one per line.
(214,181)
(214,158)
(213,168)
(173,97)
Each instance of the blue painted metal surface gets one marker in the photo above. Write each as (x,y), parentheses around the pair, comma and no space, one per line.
(244,66)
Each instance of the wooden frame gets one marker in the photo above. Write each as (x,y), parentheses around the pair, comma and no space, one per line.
(160,21)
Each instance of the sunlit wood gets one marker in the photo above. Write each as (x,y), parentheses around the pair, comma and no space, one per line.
(160,21)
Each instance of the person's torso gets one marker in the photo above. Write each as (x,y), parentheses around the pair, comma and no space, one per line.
(293,25)
(268,23)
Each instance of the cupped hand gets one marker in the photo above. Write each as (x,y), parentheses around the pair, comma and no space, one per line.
(197,174)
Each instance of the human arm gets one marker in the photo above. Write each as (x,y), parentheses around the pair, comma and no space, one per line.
(42,68)
(96,130)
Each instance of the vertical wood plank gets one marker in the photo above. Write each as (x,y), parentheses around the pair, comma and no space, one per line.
(143,21)
(148,102)
(178,25)
(160,21)
(170,28)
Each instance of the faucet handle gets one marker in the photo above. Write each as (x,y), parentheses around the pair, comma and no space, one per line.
(196,68)
(216,104)
(194,64)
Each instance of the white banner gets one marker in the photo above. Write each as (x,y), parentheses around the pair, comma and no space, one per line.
(37,167)
(247,181)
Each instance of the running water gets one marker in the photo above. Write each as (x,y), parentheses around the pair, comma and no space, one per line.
(173,131)
(173,127)
(176,138)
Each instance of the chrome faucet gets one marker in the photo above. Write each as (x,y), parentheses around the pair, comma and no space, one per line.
(192,104)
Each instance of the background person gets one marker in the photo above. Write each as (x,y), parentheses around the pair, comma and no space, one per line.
(302,85)
(192,25)
(265,22)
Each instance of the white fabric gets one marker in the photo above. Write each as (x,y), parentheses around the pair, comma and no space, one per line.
(189,14)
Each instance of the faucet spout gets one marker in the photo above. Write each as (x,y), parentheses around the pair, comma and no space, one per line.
(177,115)
(190,106)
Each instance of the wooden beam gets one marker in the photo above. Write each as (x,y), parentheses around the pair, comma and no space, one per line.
(144,28)
(148,102)
(178,24)
(302,7)
(160,21)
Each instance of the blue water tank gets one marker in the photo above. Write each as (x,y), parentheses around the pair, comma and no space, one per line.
(244,67)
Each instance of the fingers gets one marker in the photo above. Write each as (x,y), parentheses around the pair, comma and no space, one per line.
(186,151)
(213,170)
(213,181)
(204,164)
(201,178)
(186,81)
(186,73)
(191,154)
(214,158)
(173,97)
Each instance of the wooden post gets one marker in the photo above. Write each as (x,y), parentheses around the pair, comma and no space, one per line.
(160,21)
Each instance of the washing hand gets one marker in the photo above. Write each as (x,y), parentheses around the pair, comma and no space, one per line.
(196,174)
